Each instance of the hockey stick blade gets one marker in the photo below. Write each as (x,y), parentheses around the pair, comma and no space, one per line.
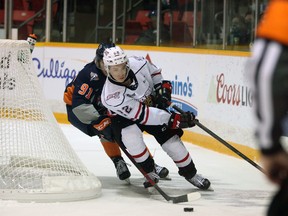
(179,199)
(186,198)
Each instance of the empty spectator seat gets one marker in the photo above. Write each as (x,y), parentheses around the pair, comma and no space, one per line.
(142,18)
(188,18)
(37,5)
(20,16)
(170,16)
(18,5)
(1,17)
(181,33)
(136,26)
(133,30)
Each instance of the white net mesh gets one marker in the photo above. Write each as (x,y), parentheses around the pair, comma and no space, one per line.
(36,160)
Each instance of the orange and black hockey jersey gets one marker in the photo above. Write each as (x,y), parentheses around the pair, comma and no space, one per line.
(83,94)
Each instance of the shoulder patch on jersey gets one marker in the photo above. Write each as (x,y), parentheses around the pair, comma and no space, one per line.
(93,76)
(115,95)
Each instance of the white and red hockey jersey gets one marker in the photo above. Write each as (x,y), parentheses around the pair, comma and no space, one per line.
(129,101)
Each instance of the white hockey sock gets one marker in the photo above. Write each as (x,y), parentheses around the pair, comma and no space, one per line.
(175,148)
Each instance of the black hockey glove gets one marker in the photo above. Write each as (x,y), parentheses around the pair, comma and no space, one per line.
(163,94)
(103,127)
(185,120)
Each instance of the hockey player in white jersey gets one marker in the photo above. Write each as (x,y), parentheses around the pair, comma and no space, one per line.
(137,95)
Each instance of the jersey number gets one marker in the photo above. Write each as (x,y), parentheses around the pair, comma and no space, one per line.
(83,89)
(127,109)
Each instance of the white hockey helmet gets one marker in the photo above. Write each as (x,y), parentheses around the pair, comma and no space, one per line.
(114,56)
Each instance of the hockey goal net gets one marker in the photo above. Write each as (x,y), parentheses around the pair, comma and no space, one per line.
(37,162)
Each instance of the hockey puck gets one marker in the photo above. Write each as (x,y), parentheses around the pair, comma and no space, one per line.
(188,209)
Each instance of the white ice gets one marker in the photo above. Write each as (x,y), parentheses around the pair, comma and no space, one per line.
(239,188)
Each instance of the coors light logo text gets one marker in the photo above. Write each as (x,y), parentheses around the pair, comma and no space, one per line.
(233,94)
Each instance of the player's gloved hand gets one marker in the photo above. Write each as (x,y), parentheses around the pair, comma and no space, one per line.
(163,94)
(103,126)
(184,120)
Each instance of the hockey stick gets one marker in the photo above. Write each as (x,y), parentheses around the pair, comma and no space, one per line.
(175,199)
(196,121)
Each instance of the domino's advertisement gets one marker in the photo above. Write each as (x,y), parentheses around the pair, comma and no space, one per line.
(215,87)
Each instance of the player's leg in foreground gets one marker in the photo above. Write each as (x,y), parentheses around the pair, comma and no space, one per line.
(171,143)
(181,157)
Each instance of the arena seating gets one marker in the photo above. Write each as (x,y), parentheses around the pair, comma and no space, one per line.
(23,10)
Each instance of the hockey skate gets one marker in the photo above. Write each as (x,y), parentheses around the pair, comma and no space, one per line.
(162,172)
(122,170)
(153,176)
(199,182)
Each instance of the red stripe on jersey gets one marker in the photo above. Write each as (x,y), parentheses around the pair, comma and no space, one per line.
(147,115)
(155,74)
(138,111)
(184,159)
(141,154)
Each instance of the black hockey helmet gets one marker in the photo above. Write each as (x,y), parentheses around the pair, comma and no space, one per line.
(100,50)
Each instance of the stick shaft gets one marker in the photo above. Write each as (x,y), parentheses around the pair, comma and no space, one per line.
(196,121)
(166,197)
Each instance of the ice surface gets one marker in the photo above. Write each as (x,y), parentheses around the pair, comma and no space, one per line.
(239,188)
